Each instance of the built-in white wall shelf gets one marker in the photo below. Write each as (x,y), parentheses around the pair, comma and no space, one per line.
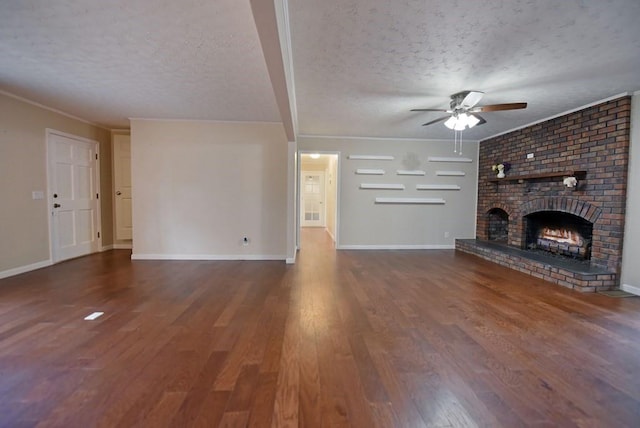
(410,172)
(387,186)
(451,173)
(451,159)
(363,171)
(437,187)
(431,201)
(370,157)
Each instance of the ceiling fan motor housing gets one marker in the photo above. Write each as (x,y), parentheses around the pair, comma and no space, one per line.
(456,100)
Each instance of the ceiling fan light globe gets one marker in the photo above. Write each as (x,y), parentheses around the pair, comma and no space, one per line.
(459,126)
(451,122)
(472,121)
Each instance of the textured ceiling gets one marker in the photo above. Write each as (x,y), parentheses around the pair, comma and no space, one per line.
(107,61)
(359,65)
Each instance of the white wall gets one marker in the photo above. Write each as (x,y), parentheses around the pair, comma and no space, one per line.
(365,224)
(630,280)
(200,187)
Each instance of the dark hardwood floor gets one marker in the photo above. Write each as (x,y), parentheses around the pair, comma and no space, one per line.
(362,339)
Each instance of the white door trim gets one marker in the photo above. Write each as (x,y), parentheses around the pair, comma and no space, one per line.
(48,134)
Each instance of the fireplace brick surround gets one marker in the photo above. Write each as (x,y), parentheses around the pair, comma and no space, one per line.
(595,140)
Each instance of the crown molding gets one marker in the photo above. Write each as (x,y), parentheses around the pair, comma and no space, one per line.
(344,137)
(51,109)
(564,113)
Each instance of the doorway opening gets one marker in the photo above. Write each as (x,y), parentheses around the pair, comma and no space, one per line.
(318,196)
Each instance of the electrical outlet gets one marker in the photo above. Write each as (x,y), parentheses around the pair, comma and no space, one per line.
(446,234)
(530,156)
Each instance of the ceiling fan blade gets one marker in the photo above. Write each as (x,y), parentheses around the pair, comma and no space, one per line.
(436,120)
(471,99)
(431,109)
(498,107)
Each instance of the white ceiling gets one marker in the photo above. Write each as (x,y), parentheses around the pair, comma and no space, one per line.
(359,65)
(106,61)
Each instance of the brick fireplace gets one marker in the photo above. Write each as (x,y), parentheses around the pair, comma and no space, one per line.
(581,246)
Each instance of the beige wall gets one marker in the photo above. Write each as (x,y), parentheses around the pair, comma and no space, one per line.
(630,279)
(200,187)
(365,224)
(24,233)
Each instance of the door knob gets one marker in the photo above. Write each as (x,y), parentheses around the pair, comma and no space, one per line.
(56,205)
(118,193)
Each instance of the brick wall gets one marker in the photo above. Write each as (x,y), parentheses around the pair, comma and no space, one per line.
(595,139)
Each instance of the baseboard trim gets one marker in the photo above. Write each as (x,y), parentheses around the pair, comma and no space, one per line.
(397,247)
(248,257)
(25,269)
(633,289)
(117,247)
(290,261)
(122,246)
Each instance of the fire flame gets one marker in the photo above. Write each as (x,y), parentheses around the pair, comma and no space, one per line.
(564,236)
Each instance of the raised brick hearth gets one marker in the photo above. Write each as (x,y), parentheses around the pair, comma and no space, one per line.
(595,140)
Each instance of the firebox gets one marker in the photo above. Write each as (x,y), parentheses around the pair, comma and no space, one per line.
(559,233)
(498,225)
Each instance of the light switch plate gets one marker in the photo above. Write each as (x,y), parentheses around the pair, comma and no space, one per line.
(37,194)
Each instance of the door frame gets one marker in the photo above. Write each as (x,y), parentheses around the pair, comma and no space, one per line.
(48,134)
(299,194)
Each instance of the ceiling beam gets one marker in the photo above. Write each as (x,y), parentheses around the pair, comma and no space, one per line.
(264,15)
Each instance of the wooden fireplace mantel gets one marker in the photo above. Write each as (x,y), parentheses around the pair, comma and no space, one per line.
(580,175)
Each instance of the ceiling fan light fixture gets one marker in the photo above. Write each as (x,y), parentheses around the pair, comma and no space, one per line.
(472,121)
(461,122)
(451,122)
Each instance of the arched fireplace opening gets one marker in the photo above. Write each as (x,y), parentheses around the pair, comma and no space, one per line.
(498,225)
(559,233)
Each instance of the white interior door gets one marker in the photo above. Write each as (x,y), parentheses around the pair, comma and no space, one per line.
(312,197)
(122,184)
(73,196)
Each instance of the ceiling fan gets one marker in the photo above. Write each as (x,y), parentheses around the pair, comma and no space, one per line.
(463,110)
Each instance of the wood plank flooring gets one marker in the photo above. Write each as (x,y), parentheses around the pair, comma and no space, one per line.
(348,338)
